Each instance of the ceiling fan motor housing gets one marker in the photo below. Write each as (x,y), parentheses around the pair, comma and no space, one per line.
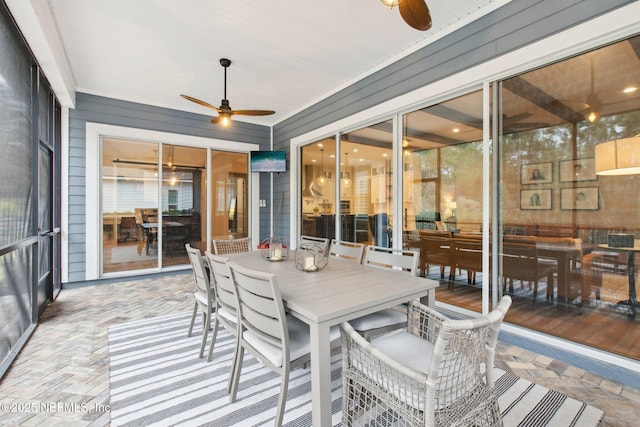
(225,105)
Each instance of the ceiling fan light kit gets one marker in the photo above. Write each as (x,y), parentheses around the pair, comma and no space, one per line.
(391,3)
(224,111)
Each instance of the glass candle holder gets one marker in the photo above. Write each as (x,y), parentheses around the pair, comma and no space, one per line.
(274,250)
(310,257)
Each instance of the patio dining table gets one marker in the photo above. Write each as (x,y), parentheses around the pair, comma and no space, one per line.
(342,291)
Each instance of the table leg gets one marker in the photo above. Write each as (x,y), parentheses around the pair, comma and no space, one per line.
(320,375)
(632,302)
(563,278)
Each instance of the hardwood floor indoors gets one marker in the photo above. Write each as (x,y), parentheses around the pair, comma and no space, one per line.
(601,324)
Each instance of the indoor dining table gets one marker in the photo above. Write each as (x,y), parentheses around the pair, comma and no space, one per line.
(341,291)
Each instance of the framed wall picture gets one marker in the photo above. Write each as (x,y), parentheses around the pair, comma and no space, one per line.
(578,170)
(535,199)
(580,198)
(536,173)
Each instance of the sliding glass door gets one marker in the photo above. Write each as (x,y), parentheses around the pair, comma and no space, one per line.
(442,195)
(130,201)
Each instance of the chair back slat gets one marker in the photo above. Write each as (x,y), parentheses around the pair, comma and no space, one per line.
(347,250)
(222,282)
(231,246)
(322,241)
(405,260)
(199,273)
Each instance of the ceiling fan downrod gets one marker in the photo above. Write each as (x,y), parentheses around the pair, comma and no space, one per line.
(225,63)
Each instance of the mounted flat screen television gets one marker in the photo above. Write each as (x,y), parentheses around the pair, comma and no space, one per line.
(268,161)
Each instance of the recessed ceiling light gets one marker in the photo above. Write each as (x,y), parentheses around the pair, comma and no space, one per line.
(630,89)
(456,130)
(355,150)
(384,155)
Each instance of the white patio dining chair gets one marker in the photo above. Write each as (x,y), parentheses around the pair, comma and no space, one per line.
(279,341)
(346,250)
(321,241)
(231,246)
(203,294)
(404,261)
(436,372)
(225,312)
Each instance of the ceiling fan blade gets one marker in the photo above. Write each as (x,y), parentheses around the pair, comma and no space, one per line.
(517,117)
(526,125)
(198,101)
(416,14)
(576,106)
(215,120)
(252,112)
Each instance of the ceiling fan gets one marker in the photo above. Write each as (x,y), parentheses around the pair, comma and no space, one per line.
(591,109)
(224,111)
(414,12)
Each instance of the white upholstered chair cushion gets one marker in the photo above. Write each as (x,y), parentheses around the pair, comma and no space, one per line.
(299,342)
(379,319)
(406,349)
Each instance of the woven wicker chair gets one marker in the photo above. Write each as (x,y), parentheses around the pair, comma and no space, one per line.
(203,294)
(346,250)
(431,374)
(404,261)
(225,313)
(231,246)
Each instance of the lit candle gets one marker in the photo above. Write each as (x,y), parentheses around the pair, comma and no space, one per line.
(309,263)
(277,253)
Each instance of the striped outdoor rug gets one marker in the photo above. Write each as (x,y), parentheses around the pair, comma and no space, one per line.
(156,378)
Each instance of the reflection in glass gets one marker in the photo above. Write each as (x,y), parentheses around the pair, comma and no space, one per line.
(318,201)
(557,115)
(366,171)
(442,192)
